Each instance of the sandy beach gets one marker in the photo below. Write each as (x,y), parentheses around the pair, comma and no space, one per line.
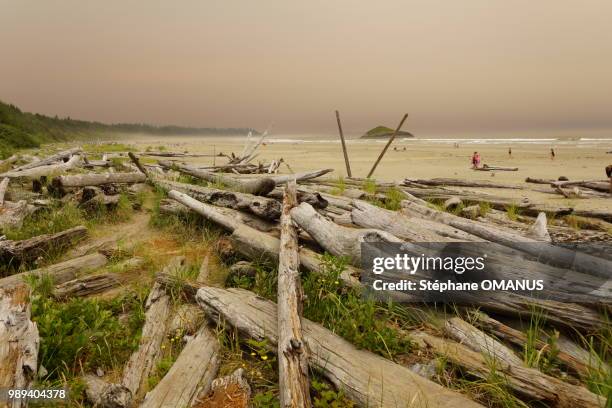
(575,159)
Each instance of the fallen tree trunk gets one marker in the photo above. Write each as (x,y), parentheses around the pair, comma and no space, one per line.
(518,338)
(364,377)
(144,360)
(261,206)
(459,183)
(65,155)
(258,186)
(60,272)
(191,374)
(3,187)
(97,179)
(13,214)
(527,382)
(543,252)
(18,342)
(486,167)
(338,240)
(8,161)
(257,245)
(597,185)
(40,171)
(303,176)
(410,229)
(293,382)
(28,250)
(87,285)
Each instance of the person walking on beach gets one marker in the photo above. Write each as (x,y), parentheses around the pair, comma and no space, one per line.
(552,154)
(510,152)
(476,160)
(609,174)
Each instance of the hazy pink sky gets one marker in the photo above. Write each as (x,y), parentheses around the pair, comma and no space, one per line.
(455,66)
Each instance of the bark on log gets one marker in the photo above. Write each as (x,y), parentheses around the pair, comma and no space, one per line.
(263,207)
(364,377)
(28,250)
(87,285)
(338,240)
(230,391)
(190,375)
(106,395)
(145,359)
(294,385)
(259,186)
(18,342)
(3,187)
(97,179)
(66,154)
(12,214)
(554,255)
(527,382)
(60,272)
(46,170)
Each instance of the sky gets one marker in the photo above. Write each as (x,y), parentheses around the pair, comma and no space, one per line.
(468,66)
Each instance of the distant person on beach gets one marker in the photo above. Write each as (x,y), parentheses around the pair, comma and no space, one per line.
(510,152)
(552,154)
(476,160)
(609,174)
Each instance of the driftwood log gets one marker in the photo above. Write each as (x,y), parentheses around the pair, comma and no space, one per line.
(459,183)
(257,245)
(366,378)
(259,186)
(191,374)
(3,187)
(263,207)
(18,342)
(529,383)
(61,156)
(39,171)
(60,272)
(97,179)
(28,250)
(144,360)
(338,240)
(554,255)
(293,382)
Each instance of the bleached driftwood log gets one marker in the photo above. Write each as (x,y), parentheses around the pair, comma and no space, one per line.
(9,161)
(191,374)
(364,377)
(526,382)
(410,229)
(303,176)
(539,229)
(294,385)
(12,214)
(263,207)
(338,240)
(468,335)
(64,155)
(18,342)
(459,183)
(149,353)
(28,250)
(3,187)
(106,395)
(46,170)
(597,185)
(258,186)
(87,285)
(257,245)
(577,363)
(544,252)
(97,179)
(60,272)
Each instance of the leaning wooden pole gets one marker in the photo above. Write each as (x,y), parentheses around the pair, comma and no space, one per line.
(292,351)
(399,127)
(346,159)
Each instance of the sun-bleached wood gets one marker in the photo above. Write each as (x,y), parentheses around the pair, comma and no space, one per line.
(366,378)
(106,395)
(294,386)
(19,342)
(191,374)
(97,179)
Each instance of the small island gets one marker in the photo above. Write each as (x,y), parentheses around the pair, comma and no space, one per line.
(383,132)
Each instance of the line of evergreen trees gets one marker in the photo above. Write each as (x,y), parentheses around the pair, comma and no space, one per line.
(25,130)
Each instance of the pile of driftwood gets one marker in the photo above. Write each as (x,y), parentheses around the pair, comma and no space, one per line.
(292,220)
